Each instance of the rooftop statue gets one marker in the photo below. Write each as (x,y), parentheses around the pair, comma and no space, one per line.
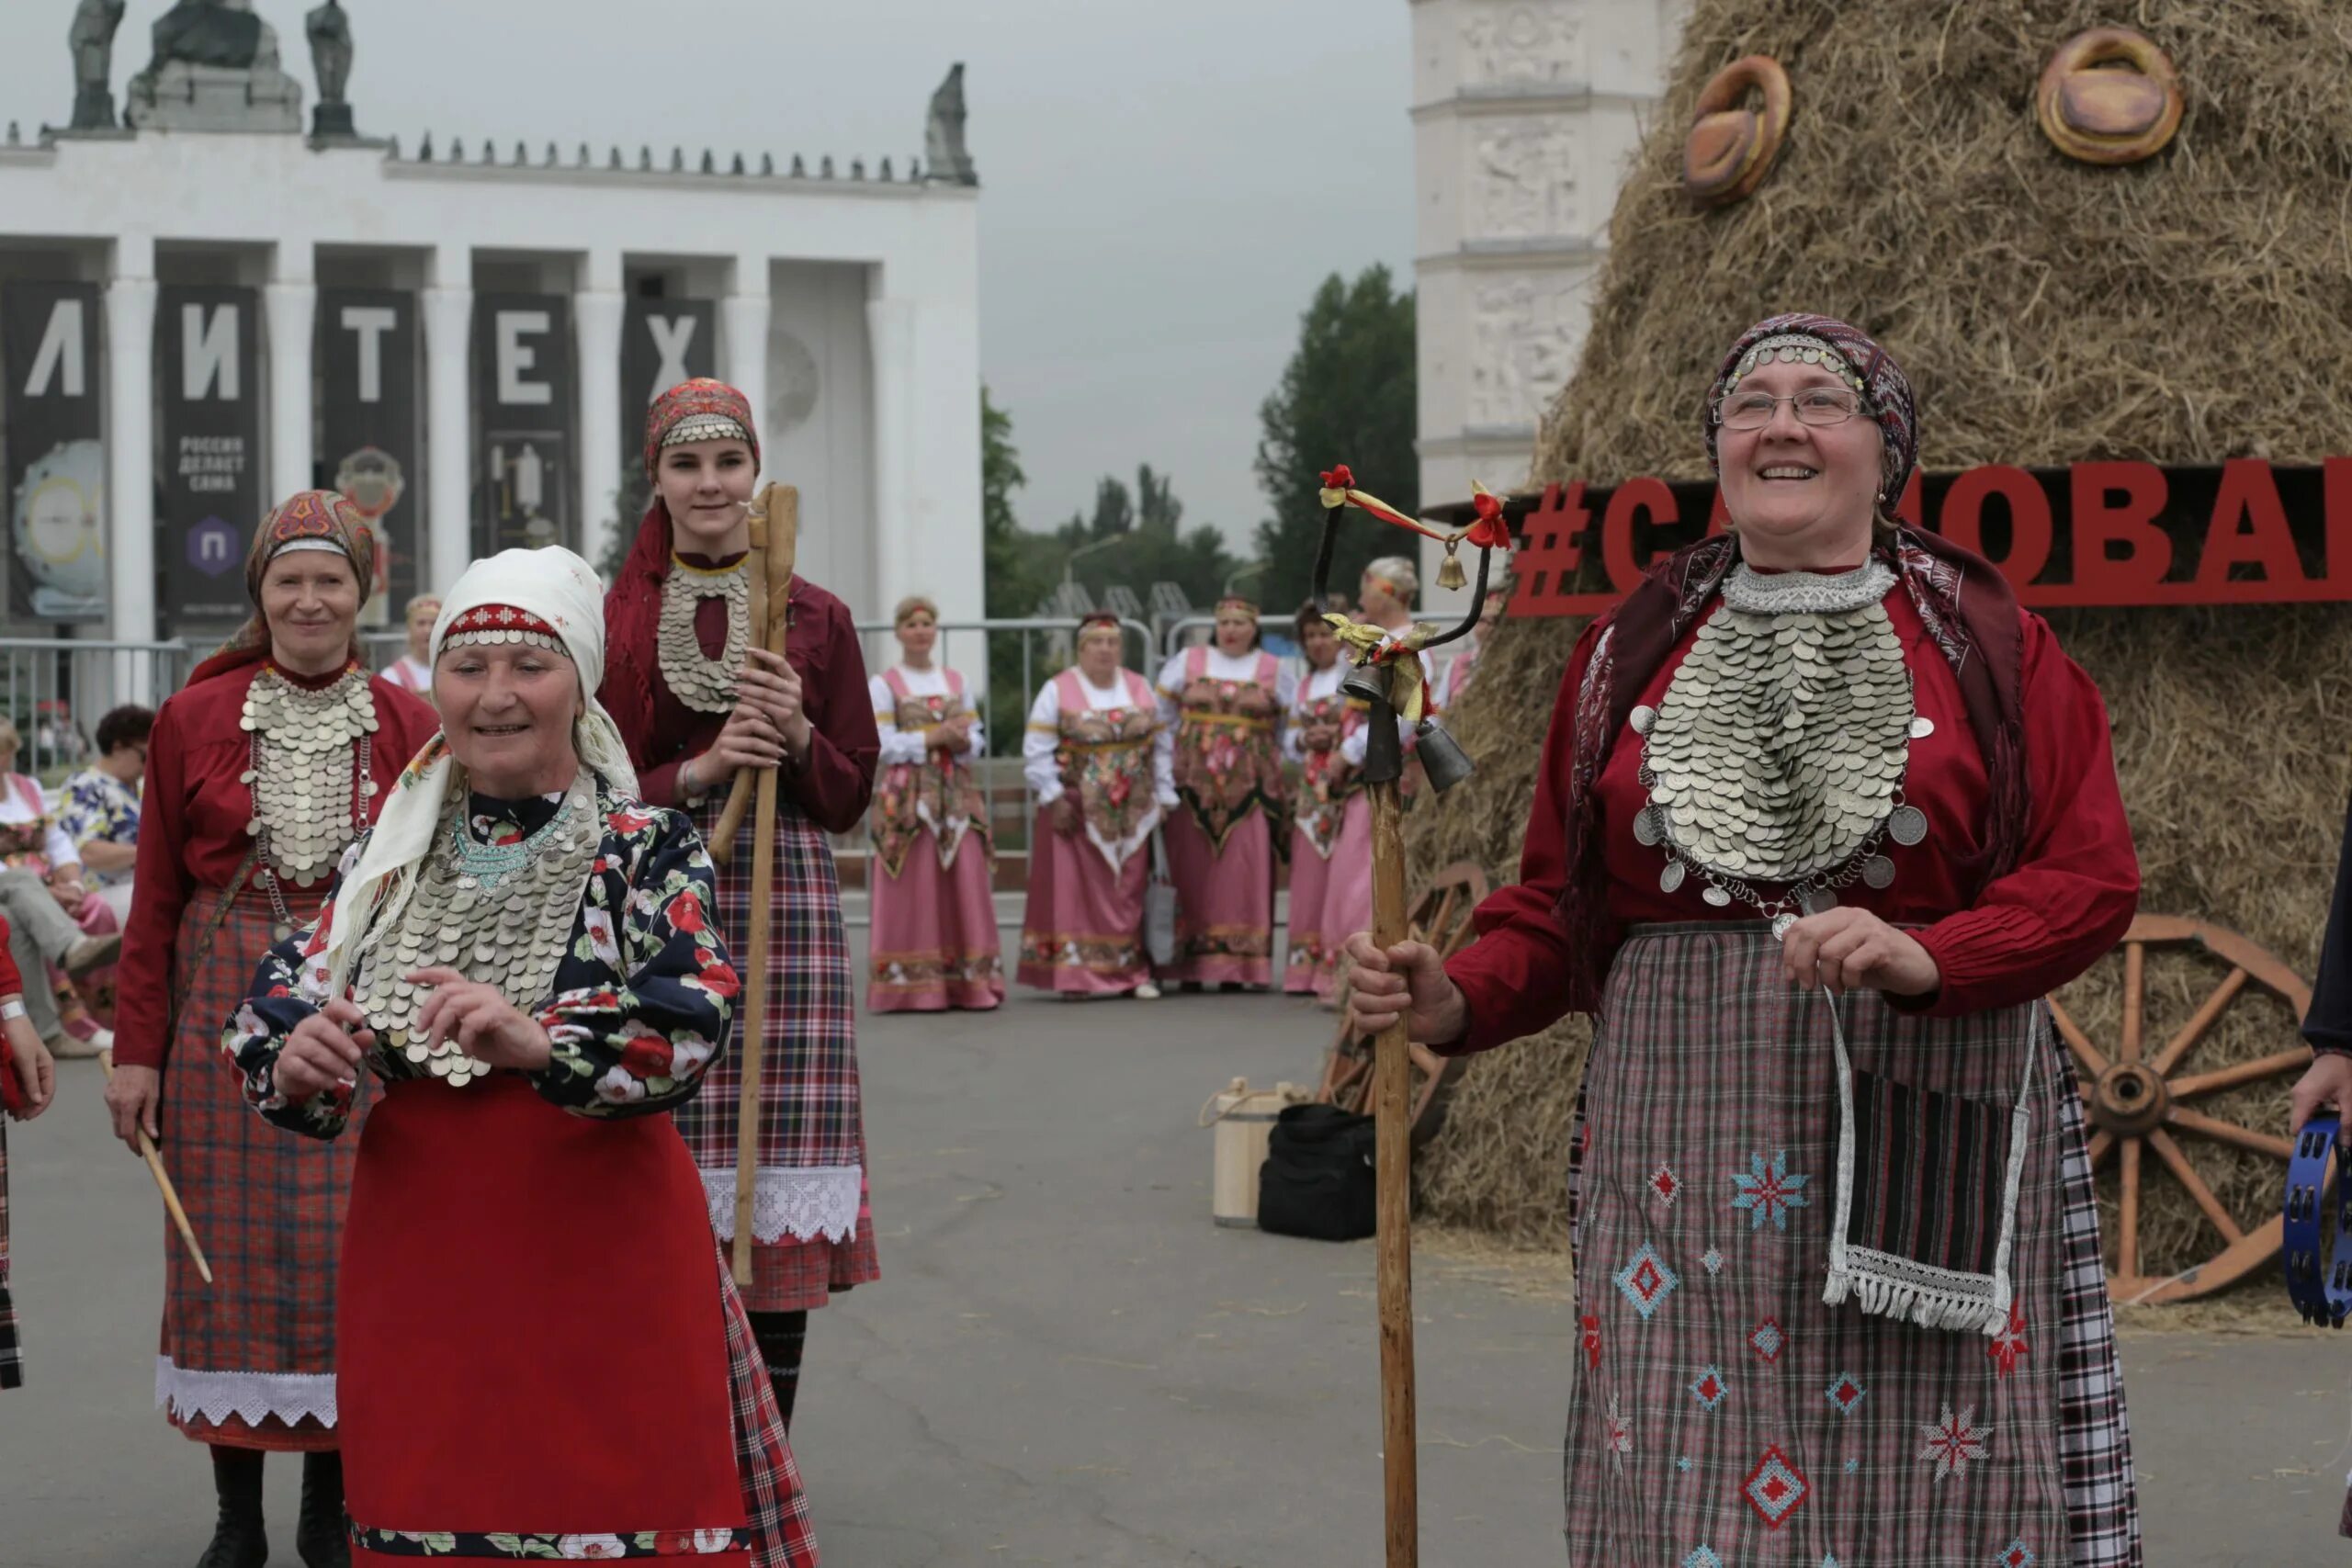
(216,68)
(92,40)
(214,32)
(944,153)
(329,27)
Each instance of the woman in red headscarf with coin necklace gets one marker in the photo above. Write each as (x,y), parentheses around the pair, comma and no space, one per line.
(697,699)
(276,755)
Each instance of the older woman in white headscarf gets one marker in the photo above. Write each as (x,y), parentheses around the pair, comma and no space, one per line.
(541,1352)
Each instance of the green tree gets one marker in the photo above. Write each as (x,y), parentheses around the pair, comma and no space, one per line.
(1347,396)
(1005,556)
(1151,544)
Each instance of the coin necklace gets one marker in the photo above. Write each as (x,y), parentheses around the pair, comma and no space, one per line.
(703,684)
(1777,754)
(499,914)
(309,766)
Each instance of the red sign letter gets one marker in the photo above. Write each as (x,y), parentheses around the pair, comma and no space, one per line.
(2029,518)
(2118,503)
(2247,493)
(1647,498)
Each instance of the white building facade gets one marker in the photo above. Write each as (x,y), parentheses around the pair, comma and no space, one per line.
(465,341)
(1527,116)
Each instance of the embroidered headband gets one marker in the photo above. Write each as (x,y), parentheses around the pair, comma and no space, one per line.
(699,410)
(496,625)
(1856,359)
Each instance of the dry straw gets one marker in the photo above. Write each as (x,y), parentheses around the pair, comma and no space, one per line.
(2182,311)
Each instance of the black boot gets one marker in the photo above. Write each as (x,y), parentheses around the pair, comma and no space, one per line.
(781,1336)
(321,1535)
(237,1538)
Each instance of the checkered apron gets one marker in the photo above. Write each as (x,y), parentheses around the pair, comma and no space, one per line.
(12,1364)
(1722,1414)
(268,1207)
(812,1135)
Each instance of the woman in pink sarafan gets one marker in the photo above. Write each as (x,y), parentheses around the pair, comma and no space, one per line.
(1330,853)
(1225,702)
(1098,757)
(934,944)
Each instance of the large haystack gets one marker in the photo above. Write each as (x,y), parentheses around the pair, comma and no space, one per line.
(2182,311)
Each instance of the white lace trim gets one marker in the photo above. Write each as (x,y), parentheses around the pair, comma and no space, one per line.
(801,1202)
(1886,1285)
(251,1396)
(1757,593)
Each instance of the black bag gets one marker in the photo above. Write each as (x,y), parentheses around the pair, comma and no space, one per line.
(1318,1178)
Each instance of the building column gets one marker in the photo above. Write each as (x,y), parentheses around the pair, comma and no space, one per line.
(448,432)
(292,301)
(130,456)
(596,312)
(743,333)
(890,332)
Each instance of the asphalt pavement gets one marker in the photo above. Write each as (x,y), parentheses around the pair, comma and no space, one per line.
(1065,1363)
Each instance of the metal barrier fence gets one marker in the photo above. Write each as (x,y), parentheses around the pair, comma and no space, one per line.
(56,689)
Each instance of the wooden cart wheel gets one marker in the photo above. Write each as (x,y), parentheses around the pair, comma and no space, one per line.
(2138,1099)
(1441,917)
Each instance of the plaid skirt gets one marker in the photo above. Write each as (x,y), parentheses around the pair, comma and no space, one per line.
(248,1361)
(11,1365)
(810,1229)
(1722,1414)
(772,1501)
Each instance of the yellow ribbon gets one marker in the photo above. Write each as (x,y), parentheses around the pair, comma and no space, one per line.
(1369,645)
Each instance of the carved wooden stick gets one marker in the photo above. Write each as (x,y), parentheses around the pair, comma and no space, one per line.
(776,535)
(164,1185)
(775,540)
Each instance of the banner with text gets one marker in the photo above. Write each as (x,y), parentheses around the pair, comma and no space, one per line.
(57,461)
(209,477)
(663,341)
(368,431)
(527,401)
(2109,534)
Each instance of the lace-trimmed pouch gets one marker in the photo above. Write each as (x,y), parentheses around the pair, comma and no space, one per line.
(1926,1198)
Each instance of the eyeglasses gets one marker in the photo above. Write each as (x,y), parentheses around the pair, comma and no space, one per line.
(1818,406)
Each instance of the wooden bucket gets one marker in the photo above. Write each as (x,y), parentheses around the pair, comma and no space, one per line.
(1244,1120)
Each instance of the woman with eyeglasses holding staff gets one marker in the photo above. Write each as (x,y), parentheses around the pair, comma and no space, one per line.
(1822,815)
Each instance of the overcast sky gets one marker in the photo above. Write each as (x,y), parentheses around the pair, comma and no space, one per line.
(1163,184)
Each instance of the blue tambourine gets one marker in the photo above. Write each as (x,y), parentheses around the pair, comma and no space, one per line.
(2319,1261)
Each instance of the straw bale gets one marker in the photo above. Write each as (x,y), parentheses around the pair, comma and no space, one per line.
(2181,310)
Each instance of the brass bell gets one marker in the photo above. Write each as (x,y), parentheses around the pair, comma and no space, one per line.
(1441,756)
(1449,572)
(1365,684)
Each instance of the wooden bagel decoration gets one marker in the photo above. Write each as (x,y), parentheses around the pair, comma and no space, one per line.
(1732,147)
(2109,95)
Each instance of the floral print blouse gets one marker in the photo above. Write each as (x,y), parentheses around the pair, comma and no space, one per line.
(642,999)
(99,805)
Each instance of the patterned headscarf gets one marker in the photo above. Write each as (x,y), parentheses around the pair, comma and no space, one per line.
(550,592)
(699,410)
(313,520)
(712,411)
(1860,362)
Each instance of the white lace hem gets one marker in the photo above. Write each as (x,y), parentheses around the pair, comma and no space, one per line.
(800,1201)
(250,1396)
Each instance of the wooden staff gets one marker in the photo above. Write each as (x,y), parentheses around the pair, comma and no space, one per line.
(163,1184)
(1392,1076)
(775,537)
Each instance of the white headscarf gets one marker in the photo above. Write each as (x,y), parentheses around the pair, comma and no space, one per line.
(559,588)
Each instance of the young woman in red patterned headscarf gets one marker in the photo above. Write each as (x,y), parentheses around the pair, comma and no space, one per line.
(697,699)
(272,758)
